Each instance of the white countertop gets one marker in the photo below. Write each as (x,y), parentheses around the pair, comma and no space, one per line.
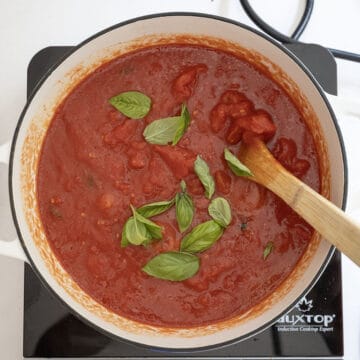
(28,26)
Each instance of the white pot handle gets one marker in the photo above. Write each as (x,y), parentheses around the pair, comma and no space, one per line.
(345,106)
(10,248)
(5,153)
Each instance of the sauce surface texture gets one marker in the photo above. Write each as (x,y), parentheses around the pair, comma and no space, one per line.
(95,163)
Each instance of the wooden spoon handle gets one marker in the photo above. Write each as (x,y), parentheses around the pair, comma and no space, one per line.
(324,216)
(330,221)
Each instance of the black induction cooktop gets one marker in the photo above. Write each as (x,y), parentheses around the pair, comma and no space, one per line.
(313,329)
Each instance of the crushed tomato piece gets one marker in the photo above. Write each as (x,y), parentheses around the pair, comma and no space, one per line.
(184,84)
(285,151)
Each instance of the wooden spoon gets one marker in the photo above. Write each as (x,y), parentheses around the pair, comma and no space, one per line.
(320,213)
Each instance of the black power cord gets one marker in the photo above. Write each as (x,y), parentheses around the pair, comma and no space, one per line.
(298,31)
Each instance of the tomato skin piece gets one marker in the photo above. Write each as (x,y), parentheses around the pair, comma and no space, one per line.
(232,97)
(218,117)
(240,109)
(262,125)
(178,159)
(285,151)
(223,181)
(232,105)
(259,124)
(236,130)
(121,133)
(184,84)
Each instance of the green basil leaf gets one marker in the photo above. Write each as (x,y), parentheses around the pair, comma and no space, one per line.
(183,186)
(162,131)
(237,167)
(268,249)
(184,211)
(153,229)
(156,208)
(184,124)
(184,208)
(136,232)
(219,210)
(201,237)
(173,266)
(132,104)
(167,130)
(124,240)
(139,231)
(203,172)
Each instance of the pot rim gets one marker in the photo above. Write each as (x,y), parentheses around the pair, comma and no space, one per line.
(109,29)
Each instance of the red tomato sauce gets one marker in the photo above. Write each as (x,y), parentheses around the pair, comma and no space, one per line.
(95,163)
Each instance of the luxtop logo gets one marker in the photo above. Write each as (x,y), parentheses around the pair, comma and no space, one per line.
(304,320)
(304,305)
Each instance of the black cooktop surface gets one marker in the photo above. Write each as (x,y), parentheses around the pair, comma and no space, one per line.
(313,329)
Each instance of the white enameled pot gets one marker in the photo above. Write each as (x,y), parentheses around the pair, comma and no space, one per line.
(128,36)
